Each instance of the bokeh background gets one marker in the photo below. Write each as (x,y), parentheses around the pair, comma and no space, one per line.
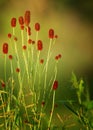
(72,21)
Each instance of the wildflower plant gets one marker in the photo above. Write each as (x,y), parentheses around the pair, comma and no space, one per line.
(25,93)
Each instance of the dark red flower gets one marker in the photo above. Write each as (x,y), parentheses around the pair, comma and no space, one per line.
(21,20)
(59,55)
(29,41)
(55,85)
(5,48)
(15,38)
(17,70)
(13,22)
(10,57)
(51,33)
(33,42)
(24,47)
(56,36)
(28,29)
(27,18)
(37,26)
(39,45)
(9,35)
(56,57)
(41,61)
(22,27)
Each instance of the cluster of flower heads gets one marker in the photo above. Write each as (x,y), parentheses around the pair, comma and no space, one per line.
(24,23)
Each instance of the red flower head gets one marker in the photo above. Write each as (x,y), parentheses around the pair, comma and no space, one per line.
(5,48)
(56,57)
(37,26)
(41,61)
(21,20)
(59,55)
(29,41)
(29,30)
(33,42)
(55,85)
(9,35)
(17,70)
(39,45)
(51,33)
(24,47)
(10,57)
(27,18)
(56,36)
(13,22)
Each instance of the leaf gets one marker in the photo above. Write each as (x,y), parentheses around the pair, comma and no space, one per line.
(81,86)
(74,80)
(88,104)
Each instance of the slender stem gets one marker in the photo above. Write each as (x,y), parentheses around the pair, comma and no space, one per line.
(5,68)
(46,67)
(24,56)
(51,115)
(38,54)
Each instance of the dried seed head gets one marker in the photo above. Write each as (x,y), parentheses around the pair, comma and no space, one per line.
(39,45)
(51,33)
(55,85)
(13,22)
(37,26)
(27,18)
(21,20)
(5,48)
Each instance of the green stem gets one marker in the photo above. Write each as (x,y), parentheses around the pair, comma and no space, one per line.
(51,115)
(46,67)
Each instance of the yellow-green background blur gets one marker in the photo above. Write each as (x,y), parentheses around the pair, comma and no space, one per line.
(72,21)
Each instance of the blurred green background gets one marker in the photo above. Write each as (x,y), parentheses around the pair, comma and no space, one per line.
(72,21)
